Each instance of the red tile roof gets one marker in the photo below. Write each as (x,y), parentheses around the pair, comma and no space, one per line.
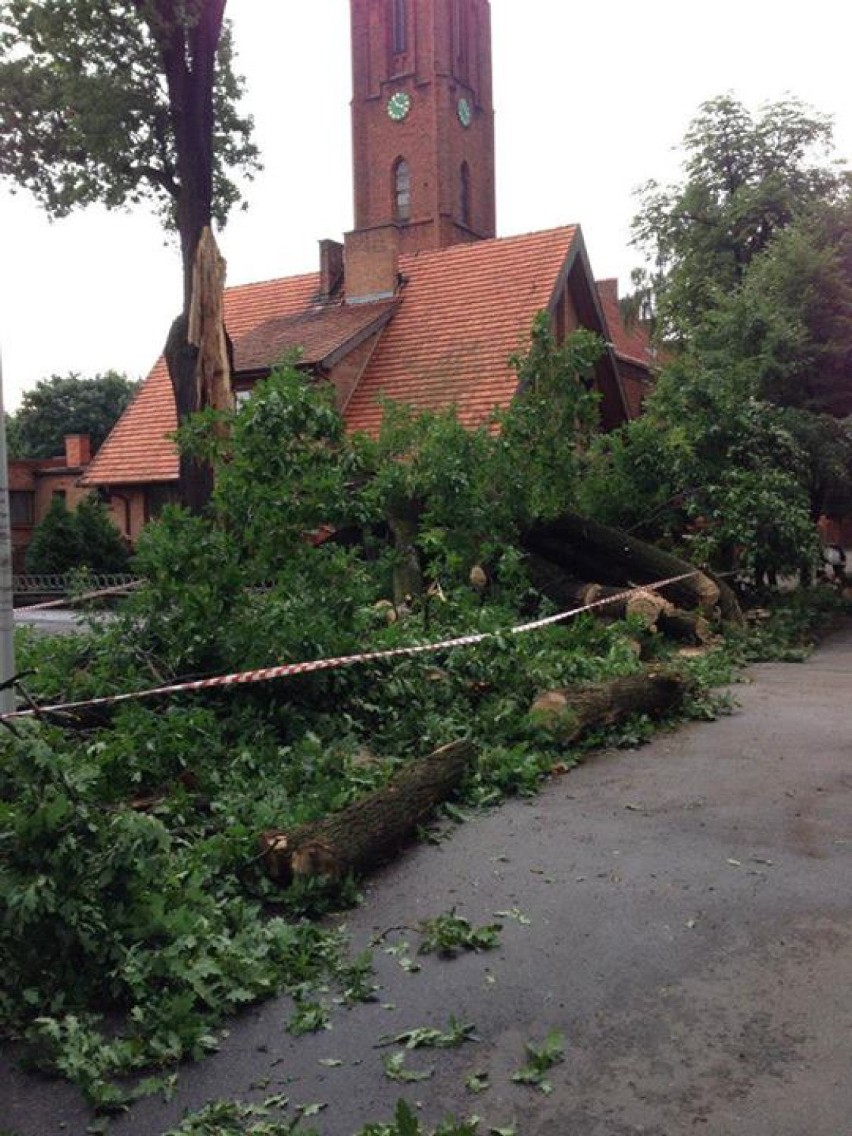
(319,333)
(139,450)
(633,342)
(462,312)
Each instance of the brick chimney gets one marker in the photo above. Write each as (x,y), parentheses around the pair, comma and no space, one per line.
(78,450)
(331,268)
(371,258)
(608,289)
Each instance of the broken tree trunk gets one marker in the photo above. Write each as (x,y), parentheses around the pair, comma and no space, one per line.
(590,549)
(365,833)
(571,712)
(652,608)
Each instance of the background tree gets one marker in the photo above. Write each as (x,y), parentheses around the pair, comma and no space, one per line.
(85,538)
(68,404)
(55,546)
(14,445)
(746,178)
(751,285)
(790,322)
(711,470)
(122,103)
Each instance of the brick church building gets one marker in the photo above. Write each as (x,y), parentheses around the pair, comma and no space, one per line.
(420,303)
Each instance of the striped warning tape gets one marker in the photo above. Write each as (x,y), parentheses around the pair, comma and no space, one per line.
(288,670)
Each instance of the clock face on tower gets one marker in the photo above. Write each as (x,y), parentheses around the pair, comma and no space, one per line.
(465,112)
(399,104)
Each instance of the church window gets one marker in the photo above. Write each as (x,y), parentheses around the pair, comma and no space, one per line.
(400,26)
(402,190)
(464,194)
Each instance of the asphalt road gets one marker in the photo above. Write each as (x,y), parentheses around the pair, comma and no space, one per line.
(50,621)
(682,914)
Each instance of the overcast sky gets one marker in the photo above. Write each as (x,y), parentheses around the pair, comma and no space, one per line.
(591,100)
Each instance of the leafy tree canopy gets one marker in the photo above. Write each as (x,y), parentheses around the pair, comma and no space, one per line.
(86,538)
(87,112)
(791,321)
(746,178)
(68,404)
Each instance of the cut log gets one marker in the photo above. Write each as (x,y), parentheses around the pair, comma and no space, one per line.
(570,713)
(651,607)
(365,833)
(591,550)
(688,625)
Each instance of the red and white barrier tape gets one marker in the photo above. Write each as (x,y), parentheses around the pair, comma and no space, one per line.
(287,670)
(69,601)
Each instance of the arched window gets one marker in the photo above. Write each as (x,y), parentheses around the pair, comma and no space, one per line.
(464,194)
(400,26)
(402,190)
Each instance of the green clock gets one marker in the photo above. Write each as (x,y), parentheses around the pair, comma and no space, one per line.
(465,112)
(399,104)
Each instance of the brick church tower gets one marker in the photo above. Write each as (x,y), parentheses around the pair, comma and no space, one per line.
(422,122)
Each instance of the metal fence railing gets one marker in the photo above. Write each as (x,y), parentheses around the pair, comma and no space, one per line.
(61,585)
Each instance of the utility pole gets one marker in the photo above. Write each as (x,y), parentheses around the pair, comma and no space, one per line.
(7,617)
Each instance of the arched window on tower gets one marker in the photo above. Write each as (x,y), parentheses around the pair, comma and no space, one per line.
(401,190)
(400,26)
(464,194)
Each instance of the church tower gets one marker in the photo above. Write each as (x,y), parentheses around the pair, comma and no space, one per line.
(422,122)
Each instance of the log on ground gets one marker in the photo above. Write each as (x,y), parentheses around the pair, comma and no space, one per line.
(367,832)
(572,712)
(595,551)
(617,603)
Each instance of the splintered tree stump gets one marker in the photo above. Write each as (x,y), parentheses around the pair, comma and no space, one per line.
(367,832)
(591,550)
(572,712)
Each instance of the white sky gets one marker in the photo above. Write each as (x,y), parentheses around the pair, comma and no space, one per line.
(591,100)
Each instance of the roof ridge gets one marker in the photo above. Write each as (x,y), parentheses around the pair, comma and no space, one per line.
(272,280)
(468,248)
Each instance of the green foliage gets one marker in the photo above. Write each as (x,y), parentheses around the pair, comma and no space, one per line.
(87,539)
(128,853)
(103,550)
(753,277)
(449,934)
(68,404)
(88,115)
(746,178)
(140,912)
(712,469)
(55,545)
(549,424)
(540,1060)
(406,1123)
(789,323)
(230,1118)
(425,1037)
(287,469)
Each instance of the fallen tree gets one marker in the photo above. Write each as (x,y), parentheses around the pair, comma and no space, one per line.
(590,550)
(614,602)
(368,831)
(570,713)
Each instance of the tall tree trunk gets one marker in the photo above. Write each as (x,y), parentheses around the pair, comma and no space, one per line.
(188,53)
